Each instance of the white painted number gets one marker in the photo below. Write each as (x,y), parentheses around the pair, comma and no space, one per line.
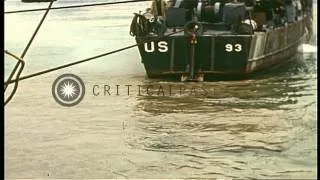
(236,47)
(228,47)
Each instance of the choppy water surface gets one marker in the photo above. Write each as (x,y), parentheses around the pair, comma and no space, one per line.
(263,127)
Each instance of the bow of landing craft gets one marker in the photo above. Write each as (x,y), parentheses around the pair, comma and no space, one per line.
(195,39)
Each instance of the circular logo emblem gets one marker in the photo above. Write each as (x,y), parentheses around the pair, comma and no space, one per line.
(68,90)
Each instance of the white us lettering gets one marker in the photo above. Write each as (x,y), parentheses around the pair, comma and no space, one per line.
(162,46)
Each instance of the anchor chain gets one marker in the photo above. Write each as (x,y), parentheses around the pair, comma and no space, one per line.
(193,35)
(194,29)
(192,53)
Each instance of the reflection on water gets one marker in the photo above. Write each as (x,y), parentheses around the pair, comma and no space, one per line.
(261,127)
(247,129)
(272,90)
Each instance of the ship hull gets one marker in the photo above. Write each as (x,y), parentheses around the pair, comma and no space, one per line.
(219,55)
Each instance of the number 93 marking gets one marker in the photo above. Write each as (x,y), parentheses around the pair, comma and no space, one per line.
(230,47)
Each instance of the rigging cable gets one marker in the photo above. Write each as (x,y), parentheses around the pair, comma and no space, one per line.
(23,55)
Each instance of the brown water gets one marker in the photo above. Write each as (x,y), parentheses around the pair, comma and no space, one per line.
(263,127)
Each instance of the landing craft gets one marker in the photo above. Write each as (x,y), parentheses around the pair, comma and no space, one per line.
(196,39)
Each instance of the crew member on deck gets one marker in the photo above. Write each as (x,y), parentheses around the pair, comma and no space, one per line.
(159,8)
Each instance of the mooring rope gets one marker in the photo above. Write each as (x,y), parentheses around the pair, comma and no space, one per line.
(74,6)
(140,25)
(20,60)
(29,43)
(89,59)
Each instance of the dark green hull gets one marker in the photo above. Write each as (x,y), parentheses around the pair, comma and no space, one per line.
(222,54)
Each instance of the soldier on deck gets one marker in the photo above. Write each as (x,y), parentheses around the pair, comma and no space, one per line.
(159,8)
